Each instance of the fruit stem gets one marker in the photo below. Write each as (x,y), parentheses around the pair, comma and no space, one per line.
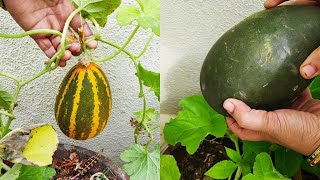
(65,30)
(120,49)
(145,47)
(31,32)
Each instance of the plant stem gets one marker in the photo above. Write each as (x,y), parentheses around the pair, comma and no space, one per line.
(145,47)
(10,76)
(155,127)
(7,114)
(43,71)
(6,128)
(238,173)
(65,30)
(4,166)
(31,32)
(120,49)
(117,46)
(15,96)
(97,35)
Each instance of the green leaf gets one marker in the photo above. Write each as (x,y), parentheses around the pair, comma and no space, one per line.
(222,170)
(142,164)
(233,155)
(127,14)
(36,173)
(169,168)
(13,173)
(150,115)
(151,15)
(5,100)
(287,161)
(150,79)
(263,169)
(194,122)
(315,88)
(245,170)
(98,9)
(251,149)
(305,165)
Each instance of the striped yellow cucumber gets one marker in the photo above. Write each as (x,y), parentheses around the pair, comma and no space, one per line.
(83,103)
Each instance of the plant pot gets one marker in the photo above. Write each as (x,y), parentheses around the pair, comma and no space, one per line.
(97,162)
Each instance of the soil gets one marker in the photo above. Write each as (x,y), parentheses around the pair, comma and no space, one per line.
(210,152)
(73,163)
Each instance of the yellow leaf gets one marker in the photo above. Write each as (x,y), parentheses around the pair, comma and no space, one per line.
(41,146)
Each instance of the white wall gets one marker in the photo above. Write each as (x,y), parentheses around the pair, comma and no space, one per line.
(23,58)
(188,30)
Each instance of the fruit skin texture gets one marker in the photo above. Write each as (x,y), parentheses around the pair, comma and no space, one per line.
(258,60)
(83,103)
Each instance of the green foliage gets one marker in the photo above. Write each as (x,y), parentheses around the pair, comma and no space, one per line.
(315,88)
(147,17)
(98,9)
(150,115)
(194,122)
(305,165)
(36,173)
(264,169)
(222,169)
(13,173)
(150,79)
(169,168)
(233,155)
(5,100)
(142,164)
(287,161)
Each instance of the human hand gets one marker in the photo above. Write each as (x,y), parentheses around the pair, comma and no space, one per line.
(296,128)
(49,14)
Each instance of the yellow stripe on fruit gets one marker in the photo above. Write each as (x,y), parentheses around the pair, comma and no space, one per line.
(76,100)
(96,106)
(65,92)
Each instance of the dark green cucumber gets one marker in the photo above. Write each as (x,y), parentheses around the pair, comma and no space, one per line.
(258,60)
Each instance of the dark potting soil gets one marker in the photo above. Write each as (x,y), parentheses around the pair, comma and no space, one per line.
(210,152)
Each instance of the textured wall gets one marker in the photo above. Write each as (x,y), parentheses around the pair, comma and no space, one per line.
(23,58)
(189,29)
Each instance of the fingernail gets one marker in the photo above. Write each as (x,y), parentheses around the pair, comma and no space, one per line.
(227,105)
(309,71)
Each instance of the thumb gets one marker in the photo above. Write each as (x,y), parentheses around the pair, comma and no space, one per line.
(311,66)
(256,120)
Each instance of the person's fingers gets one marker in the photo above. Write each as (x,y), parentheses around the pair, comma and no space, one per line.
(244,134)
(311,66)
(301,100)
(67,56)
(63,63)
(245,116)
(75,49)
(78,22)
(300,2)
(272,3)
(46,46)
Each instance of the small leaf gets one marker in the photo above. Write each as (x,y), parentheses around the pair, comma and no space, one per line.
(245,170)
(251,149)
(264,169)
(142,164)
(150,115)
(127,14)
(151,15)
(194,122)
(98,9)
(287,161)
(34,145)
(150,79)
(233,155)
(13,173)
(35,173)
(169,168)
(5,100)
(315,88)
(222,170)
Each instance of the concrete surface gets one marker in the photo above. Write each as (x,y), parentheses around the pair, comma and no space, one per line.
(189,28)
(23,58)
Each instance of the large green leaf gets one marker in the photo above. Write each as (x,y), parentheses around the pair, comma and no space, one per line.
(194,122)
(127,14)
(150,79)
(315,88)
(5,100)
(141,164)
(251,149)
(36,173)
(263,169)
(287,161)
(151,15)
(222,170)
(169,168)
(98,9)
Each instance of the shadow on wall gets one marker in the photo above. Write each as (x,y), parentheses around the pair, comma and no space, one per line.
(182,80)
